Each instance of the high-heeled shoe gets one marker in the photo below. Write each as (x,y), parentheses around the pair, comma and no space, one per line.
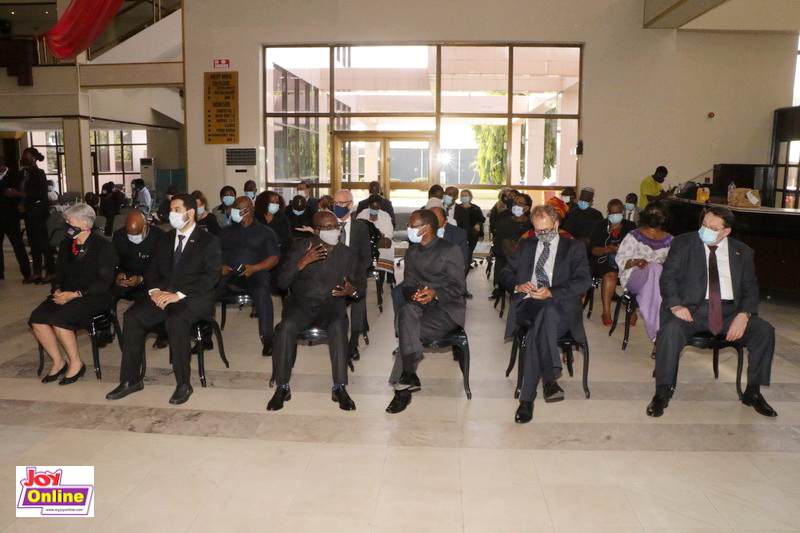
(54,377)
(76,377)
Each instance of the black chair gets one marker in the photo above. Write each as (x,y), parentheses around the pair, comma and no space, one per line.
(589,301)
(376,274)
(240,299)
(629,301)
(197,331)
(709,341)
(489,265)
(457,339)
(567,344)
(500,299)
(313,335)
(100,323)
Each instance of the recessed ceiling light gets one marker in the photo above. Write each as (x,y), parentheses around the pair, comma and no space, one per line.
(12,12)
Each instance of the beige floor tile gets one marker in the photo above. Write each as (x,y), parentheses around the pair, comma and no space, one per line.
(407,463)
(340,499)
(631,467)
(147,449)
(114,482)
(589,506)
(754,507)
(518,504)
(321,523)
(483,528)
(677,505)
(720,468)
(278,459)
(431,527)
(135,519)
(250,520)
(66,525)
(16,440)
(596,529)
(497,467)
(779,468)
(69,446)
(179,488)
(565,467)
(420,501)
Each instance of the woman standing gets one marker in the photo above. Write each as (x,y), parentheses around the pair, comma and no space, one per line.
(81,290)
(640,258)
(469,217)
(205,220)
(36,211)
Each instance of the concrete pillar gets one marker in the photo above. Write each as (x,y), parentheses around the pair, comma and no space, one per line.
(78,155)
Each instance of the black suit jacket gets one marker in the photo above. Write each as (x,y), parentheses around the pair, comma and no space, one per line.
(571,278)
(438,265)
(684,279)
(386,205)
(35,189)
(457,236)
(197,271)
(360,243)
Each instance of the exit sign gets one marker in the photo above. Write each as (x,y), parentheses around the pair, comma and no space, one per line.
(222,63)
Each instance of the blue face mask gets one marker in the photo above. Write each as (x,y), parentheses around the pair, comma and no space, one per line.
(236,215)
(250,194)
(629,207)
(298,213)
(200,209)
(708,236)
(440,233)
(414,236)
(448,200)
(616,218)
(273,208)
(583,205)
(374,212)
(340,211)
(465,199)
(228,200)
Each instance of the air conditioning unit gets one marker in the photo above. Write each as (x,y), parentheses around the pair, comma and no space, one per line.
(148,172)
(242,164)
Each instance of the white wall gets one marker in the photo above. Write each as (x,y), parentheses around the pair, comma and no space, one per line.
(646,95)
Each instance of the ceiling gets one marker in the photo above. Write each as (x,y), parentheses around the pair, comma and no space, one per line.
(750,15)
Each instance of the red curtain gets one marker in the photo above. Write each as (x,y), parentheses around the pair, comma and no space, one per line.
(79,26)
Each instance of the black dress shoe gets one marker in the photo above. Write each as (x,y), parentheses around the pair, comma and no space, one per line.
(400,401)
(161,342)
(468,295)
(345,402)
(757,402)
(355,355)
(207,345)
(524,413)
(408,381)
(123,389)
(54,377)
(552,392)
(73,379)
(181,394)
(283,394)
(31,279)
(266,347)
(657,405)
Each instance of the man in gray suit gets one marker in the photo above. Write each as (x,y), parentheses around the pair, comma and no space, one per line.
(709,284)
(547,276)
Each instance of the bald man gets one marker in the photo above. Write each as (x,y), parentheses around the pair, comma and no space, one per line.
(134,245)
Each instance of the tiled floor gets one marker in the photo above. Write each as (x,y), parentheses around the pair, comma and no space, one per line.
(222,463)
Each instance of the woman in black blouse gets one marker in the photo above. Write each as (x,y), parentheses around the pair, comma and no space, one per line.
(204,218)
(81,290)
(470,218)
(508,231)
(267,210)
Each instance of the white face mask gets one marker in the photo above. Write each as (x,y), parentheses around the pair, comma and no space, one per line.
(176,220)
(330,236)
(517,210)
(136,239)
(565,199)
(304,194)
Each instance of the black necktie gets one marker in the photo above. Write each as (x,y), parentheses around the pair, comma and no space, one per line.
(542,280)
(342,234)
(176,256)
(714,293)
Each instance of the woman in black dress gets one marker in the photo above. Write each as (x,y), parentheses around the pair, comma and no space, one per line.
(36,207)
(508,231)
(204,218)
(469,217)
(267,210)
(81,290)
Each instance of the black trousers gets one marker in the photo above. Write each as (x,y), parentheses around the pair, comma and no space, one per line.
(10,228)
(358,320)
(417,324)
(758,338)
(39,240)
(178,318)
(301,314)
(546,321)
(259,288)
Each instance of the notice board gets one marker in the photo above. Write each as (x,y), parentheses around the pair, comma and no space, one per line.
(221,110)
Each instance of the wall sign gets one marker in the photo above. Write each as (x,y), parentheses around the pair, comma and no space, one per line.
(222,63)
(221,110)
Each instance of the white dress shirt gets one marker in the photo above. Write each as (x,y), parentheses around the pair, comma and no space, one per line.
(347,224)
(550,264)
(724,267)
(186,238)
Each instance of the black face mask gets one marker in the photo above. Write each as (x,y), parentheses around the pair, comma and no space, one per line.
(509,203)
(652,220)
(71,231)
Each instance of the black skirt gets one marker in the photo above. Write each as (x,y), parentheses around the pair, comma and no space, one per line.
(74,315)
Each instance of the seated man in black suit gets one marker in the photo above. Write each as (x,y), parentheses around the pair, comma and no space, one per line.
(434,305)
(580,221)
(135,245)
(709,284)
(320,273)
(299,217)
(249,252)
(547,276)
(181,281)
(386,204)
(453,234)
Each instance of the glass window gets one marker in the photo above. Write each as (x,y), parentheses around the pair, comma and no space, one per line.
(544,152)
(474,79)
(473,151)
(298,80)
(546,80)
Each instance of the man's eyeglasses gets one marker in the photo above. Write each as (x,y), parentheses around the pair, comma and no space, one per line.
(342,204)
(328,227)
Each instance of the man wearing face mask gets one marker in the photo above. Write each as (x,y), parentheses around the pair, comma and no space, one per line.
(135,245)
(434,302)
(709,284)
(354,234)
(181,282)
(651,190)
(632,210)
(9,221)
(250,189)
(581,221)
(304,190)
(386,204)
(547,277)
(249,252)
(299,217)
(455,235)
(320,273)
(568,197)
(449,201)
